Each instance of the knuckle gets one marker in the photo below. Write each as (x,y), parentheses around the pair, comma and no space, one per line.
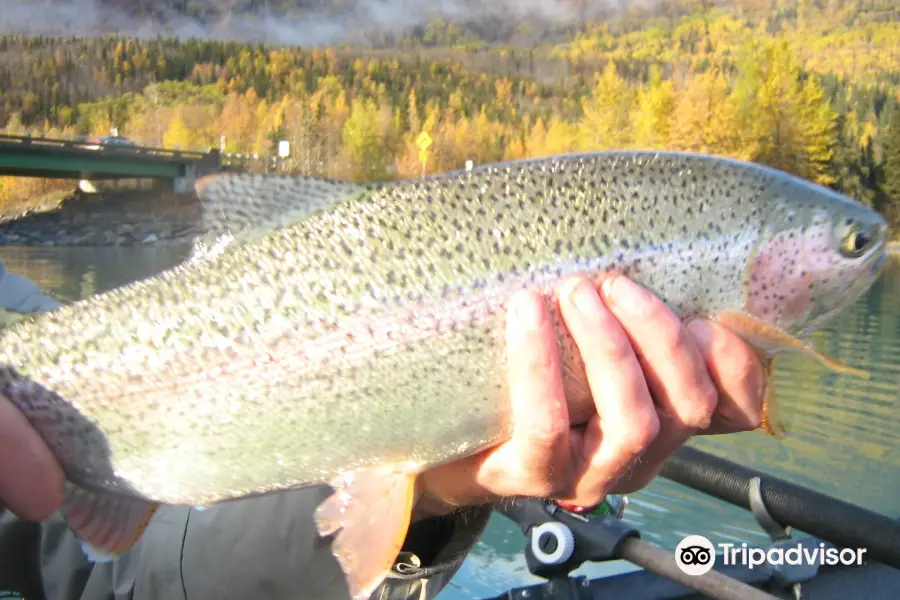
(636,439)
(735,358)
(741,369)
(703,407)
(753,420)
(612,347)
(543,489)
(672,334)
(548,437)
(723,343)
(554,483)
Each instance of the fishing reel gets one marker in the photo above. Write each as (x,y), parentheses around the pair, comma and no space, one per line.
(562,537)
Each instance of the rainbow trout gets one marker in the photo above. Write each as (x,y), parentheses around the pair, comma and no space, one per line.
(354,334)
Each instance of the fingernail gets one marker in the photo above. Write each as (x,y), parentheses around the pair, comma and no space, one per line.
(702,332)
(626,294)
(528,310)
(583,295)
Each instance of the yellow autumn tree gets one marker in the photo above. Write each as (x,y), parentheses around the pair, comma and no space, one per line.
(652,117)
(818,126)
(606,123)
(179,134)
(536,141)
(236,122)
(705,117)
(364,135)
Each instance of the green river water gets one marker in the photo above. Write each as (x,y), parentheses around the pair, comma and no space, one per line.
(844,432)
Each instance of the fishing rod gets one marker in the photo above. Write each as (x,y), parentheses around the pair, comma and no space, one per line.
(778,504)
(562,538)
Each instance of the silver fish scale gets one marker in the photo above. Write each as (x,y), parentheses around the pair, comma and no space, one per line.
(370,332)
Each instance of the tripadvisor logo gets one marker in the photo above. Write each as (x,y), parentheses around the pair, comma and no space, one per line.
(696,555)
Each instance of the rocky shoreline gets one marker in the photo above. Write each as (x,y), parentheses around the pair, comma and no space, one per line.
(117,219)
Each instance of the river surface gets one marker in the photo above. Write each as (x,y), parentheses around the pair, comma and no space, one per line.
(844,432)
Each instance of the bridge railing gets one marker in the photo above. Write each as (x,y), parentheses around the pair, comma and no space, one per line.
(249,162)
(260,164)
(81,143)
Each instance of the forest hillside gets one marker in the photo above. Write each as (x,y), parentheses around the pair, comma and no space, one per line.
(808,86)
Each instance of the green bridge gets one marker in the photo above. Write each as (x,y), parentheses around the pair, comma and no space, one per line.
(35,156)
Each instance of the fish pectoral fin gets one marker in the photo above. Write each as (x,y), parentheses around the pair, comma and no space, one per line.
(369,512)
(768,341)
(108,524)
(771,421)
(240,207)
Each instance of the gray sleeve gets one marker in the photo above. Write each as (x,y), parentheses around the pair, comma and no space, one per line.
(259,547)
(269,544)
(20,296)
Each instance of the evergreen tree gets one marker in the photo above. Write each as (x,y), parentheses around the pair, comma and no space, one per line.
(891,164)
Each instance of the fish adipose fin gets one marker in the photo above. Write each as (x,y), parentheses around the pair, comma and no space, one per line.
(240,207)
(768,342)
(370,513)
(108,524)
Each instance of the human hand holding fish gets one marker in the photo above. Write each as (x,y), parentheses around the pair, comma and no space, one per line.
(655,382)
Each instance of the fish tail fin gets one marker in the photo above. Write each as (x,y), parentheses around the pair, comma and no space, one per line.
(107,524)
(369,512)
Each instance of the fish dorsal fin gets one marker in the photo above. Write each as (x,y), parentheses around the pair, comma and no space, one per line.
(239,207)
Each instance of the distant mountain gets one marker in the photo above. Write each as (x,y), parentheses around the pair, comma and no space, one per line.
(295,22)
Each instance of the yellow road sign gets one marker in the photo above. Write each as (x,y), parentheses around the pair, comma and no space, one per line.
(423,156)
(423,141)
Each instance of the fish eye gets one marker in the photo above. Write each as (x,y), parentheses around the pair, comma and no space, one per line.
(855,241)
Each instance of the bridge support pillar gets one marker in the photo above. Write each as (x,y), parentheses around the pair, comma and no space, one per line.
(185,183)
